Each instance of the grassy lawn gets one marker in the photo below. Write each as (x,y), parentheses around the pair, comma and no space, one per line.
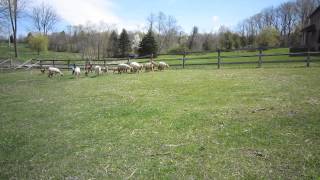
(25,53)
(178,124)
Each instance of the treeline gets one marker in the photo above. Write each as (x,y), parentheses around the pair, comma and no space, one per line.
(287,20)
(274,26)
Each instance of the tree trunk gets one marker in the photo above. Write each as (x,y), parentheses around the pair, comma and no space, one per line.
(13,20)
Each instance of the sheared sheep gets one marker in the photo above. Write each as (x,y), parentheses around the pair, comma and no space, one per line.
(52,71)
(77,72)
(149,67)
(162,66)
(136,67)
(123,68)
(88,68)
(98,70)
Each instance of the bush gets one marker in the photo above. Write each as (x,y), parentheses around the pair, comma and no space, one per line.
(268,37)
(38,43)
(178,50)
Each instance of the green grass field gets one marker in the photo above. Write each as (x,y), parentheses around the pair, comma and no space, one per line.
(178,124)
(25,53)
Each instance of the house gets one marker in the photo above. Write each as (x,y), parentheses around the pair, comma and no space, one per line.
(311,33)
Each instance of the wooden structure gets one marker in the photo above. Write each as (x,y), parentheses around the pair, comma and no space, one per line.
(311,33)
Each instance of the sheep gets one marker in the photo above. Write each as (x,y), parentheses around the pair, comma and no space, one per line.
(136,67)
(162,66)
(105,69)
(88,68)
(53,70)
(73,68)
(155,65)
(77,72)
(149,67)
(42,70)
(98,70)
(123,68)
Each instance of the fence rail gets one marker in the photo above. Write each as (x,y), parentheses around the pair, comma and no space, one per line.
(181,59)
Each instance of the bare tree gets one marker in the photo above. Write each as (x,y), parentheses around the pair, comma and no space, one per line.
(44,18)
(151,21)
(304,8)
(11,10)
(287,15)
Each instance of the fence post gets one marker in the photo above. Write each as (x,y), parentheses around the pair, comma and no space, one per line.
(260,58)
(308,58)
(183,59)
(219,58)
(68,65)
(53,64)
(104,63)
(40,62)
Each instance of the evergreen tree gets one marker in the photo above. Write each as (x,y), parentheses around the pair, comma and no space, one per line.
(124,44)
(193,38)
(113,45)
(148,45)
(206,46)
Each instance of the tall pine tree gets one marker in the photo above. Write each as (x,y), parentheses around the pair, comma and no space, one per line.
(113,45)
(148,45)
(124,44)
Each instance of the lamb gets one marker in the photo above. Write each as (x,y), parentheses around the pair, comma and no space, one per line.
(52,71)
(77,72)
(136,67)
(42,70)
(98,70)
(162,66)
(105,69)
(123,68)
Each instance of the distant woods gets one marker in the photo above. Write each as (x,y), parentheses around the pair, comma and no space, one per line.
(274,26)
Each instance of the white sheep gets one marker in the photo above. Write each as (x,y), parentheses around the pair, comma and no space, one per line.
(53,70)
(136,67)
(98,70)
(77,72)
(162,66)
(123,68)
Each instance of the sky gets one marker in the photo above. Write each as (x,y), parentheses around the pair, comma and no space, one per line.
(208,15)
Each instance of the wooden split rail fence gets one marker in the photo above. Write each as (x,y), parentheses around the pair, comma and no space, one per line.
(305,57)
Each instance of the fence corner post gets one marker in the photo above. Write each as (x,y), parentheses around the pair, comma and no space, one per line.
(183,59)
(308,58)
(260,58)
(219,58)
(68,65)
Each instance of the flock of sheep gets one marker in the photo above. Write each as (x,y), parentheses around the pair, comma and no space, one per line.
(132,67)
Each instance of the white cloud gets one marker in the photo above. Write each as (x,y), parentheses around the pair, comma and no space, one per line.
(215,19)
(77,12)
(216,23)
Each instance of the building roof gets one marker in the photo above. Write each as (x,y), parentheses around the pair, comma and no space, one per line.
(315,12)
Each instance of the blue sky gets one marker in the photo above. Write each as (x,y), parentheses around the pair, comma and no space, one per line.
(208,15)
